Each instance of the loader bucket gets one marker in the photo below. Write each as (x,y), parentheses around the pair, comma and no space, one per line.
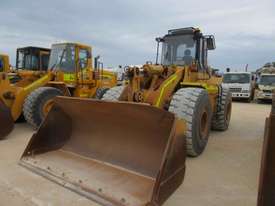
(6,121)
(114,153)
(266,190)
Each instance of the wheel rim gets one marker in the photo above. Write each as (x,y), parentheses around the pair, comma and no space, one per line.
(228,112)
(47,107)
(204,125)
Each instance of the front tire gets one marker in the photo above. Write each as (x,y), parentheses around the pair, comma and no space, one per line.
(38,104)
(193,106)
(113,94)
(100,92)
(221,118)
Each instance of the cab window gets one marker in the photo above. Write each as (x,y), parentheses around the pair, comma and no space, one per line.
(62,58)
(83,58)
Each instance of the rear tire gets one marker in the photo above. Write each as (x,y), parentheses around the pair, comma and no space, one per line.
(193,106)
(33,107)
(221,118)
(113,94)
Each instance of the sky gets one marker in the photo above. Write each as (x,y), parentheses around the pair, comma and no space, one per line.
(123,32)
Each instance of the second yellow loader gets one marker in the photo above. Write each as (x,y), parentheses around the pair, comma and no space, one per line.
(70,73)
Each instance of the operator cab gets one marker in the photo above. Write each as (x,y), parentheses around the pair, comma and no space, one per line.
(69,57)
(32,58)
(185,46)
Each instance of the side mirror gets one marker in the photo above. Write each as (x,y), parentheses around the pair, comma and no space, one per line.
(159,39)
(210,41)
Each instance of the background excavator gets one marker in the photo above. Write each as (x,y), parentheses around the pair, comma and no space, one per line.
(70,73)
(130,147)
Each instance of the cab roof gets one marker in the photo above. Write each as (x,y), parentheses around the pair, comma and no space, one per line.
(34,48)
(72,44)
(187,30)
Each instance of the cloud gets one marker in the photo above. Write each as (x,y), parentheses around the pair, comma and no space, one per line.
(123,31)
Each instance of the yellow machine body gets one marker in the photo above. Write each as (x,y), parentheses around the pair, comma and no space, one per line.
(162,83)
(80,82)
(4,63)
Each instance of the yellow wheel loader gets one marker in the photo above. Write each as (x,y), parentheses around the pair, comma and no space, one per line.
(183,84)
(129,149)
(30,62)
(70,73)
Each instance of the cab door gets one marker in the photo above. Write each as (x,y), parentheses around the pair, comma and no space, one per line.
(86,86)
(84,69)
(66,61)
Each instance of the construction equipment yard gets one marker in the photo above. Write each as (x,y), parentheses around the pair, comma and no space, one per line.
(226,174)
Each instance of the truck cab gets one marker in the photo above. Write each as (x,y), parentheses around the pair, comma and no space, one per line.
(240,84)
(265,86)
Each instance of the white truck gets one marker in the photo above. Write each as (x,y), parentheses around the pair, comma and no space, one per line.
(240,84)
(264,87)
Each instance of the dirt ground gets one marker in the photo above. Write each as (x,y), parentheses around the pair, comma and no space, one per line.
(226,174)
